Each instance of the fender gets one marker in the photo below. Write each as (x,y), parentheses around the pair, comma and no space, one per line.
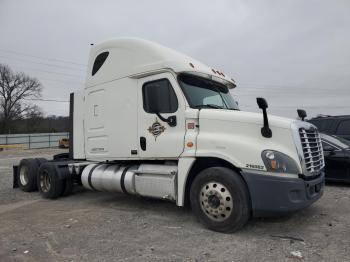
(185,166)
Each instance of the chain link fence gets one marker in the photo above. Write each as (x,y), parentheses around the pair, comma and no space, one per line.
(32,141)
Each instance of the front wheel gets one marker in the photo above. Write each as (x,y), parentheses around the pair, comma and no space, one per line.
(220,199)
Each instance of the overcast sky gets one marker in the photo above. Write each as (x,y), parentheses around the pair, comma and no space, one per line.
(294,53)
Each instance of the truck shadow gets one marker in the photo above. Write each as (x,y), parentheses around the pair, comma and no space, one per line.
(168,212)
(338,184)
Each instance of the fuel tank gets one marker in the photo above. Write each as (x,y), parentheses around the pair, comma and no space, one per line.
(149,180)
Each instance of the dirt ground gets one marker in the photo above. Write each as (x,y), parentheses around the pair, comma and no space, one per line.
(94,226)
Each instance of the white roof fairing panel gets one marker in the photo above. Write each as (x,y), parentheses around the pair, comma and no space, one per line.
(131,56)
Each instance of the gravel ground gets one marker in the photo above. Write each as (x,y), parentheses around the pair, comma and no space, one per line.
(93,226)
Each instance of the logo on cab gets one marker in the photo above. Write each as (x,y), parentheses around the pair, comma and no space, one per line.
(156,129)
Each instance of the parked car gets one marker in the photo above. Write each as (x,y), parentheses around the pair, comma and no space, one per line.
(63,143)
(337,157)
(333,125)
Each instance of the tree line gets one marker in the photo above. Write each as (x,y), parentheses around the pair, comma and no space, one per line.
(18,113)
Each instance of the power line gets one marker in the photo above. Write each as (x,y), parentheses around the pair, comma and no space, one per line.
(46,100)
(50,72)
(268,85)
(39,63)
(283,88)
(294,95)
(43,58)
(62,81)
(285,107)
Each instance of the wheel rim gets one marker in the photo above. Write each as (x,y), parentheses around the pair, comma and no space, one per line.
(45,182)
(216,201)
(23,175)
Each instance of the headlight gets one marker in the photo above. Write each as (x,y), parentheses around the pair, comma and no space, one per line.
(278,162)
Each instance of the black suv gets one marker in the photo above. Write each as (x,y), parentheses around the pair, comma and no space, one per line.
(333,125)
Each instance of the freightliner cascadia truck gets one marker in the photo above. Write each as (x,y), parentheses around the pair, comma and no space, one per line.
(153,122)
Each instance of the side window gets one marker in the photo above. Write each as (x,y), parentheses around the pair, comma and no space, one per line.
(344,128)
(99,61)
(162,93)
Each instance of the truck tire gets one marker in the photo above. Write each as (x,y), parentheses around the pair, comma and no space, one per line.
(61,156)
(67,187)
(49,184)
(27,174)
(220,199)
(40,161)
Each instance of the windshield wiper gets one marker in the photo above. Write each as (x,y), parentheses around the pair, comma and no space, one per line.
(210,106)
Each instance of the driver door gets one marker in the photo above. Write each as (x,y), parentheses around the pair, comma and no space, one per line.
(158,139)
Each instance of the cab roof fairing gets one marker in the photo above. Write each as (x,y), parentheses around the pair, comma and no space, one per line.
(132,56)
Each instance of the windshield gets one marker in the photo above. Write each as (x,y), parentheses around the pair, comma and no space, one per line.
(201,92)
(335,140)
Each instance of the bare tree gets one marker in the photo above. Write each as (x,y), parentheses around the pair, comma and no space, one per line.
(34,117)
(15,90)
(34,112)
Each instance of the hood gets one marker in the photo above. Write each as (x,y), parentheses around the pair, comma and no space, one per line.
(246,117)
(236,136)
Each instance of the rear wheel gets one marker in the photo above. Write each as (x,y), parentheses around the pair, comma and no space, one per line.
(220,199)
(49,183)
(67,187)
(40,161)
(27,174)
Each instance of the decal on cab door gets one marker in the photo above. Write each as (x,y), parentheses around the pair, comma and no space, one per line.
(156,129)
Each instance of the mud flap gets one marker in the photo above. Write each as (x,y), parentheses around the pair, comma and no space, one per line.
(14,174)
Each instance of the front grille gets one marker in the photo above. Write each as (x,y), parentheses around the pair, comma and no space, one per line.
(312,149)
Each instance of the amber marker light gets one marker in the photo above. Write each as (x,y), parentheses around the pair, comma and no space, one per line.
(189,144)
(273,164)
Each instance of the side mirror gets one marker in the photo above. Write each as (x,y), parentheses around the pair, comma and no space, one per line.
(262,103)
(302,114)
(265,130)
(154,107)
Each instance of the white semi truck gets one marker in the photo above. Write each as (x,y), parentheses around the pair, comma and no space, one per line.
(153,122)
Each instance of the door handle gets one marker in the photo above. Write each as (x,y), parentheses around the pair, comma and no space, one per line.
(143,143)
